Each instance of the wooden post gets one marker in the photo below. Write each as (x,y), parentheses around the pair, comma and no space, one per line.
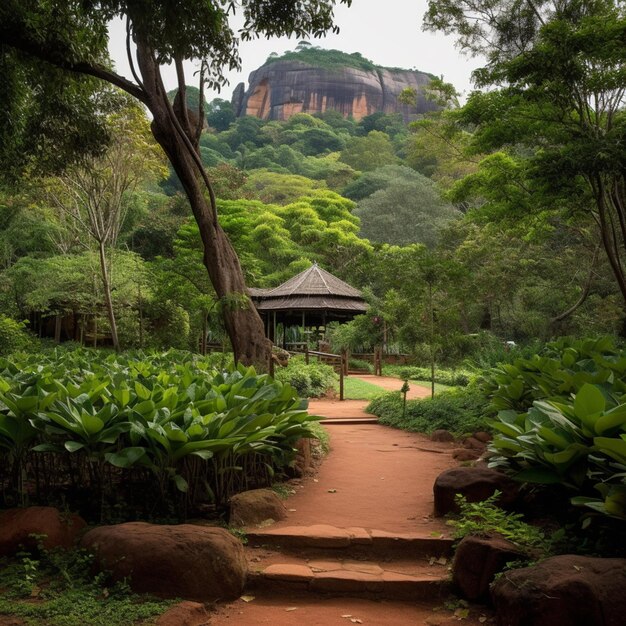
(306,352)
(344,361)
(341,383)
(378,361)
(274,329)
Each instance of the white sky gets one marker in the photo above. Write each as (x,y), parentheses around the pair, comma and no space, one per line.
(388,32)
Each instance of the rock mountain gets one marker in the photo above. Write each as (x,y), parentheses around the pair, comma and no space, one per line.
(312,80)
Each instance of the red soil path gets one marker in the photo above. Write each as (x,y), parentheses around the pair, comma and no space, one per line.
(374,477)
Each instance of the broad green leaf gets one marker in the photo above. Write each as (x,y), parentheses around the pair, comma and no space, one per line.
(73,446)
(181,483)
(142,392)
(589,401)
(91,424)
(126,457)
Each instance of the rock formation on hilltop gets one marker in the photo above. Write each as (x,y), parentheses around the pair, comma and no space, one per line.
(313,80)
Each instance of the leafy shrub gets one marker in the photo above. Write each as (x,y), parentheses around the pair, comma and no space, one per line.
(13,336)
(360,365)
(487,518)
(460,411)
(454,378)
(165,428)
(486,350)
(311,381)
(562,420)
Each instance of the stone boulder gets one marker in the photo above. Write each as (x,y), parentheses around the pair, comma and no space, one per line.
(56,529)
(563,591)
(185,614)
(191,562)
(475,483)
(472,443)
(253,507)
(462,455)
(304,458)
(477,560)
(441,435)
(483,436)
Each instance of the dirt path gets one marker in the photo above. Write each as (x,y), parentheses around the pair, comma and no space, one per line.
(374,478)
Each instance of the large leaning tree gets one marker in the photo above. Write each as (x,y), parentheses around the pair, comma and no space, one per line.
(554,97)
(65,42)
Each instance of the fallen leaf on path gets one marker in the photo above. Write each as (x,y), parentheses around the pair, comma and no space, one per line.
(247,598)
(346,615)
(461,614)
(442,560)
(292,608)
(292,510)
(482,619)
(356,620)
(332,491)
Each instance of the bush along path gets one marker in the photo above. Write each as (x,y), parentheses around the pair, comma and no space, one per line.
(359,543)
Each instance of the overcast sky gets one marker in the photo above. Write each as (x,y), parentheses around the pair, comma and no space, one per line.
(388,32)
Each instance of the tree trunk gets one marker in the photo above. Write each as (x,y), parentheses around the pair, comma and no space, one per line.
(243,323)
(57,328)
(106,285)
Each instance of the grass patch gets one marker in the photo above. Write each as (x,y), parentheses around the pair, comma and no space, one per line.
(357,389)
(439,387)
(57,589)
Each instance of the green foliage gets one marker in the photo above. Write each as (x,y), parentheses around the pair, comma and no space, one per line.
(558,371)
(453,378)
(118,419)
(13,336)
(460,411)
(310,381)
(487,518)
(405,212)
(562,420)
(360,364)
(369,152)
(57,588)
(554,100)
(328,59)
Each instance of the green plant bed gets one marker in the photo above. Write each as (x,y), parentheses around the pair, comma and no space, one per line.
(57,589)
(453,378)
(461,411)
(140,435)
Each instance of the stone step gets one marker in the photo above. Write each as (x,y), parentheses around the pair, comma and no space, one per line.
(349,420)
(414,580)
(359,542)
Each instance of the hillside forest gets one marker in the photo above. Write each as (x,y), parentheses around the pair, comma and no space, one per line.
(460,231)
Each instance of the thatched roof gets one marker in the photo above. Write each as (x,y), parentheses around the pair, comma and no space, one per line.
(313,289)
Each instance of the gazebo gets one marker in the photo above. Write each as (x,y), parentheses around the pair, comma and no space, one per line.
(310,299)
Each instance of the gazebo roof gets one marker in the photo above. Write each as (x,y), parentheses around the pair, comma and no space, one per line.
(313,289)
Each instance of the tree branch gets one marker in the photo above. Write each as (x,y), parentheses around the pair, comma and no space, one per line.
(16,40)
